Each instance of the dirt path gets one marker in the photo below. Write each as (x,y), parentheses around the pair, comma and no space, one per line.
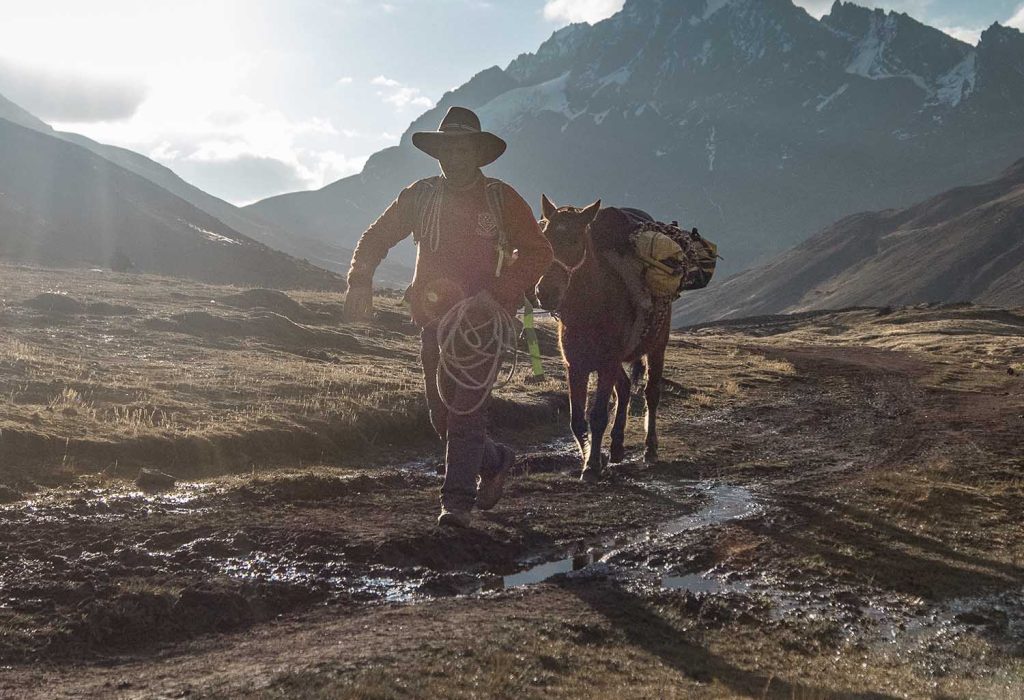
(831,519)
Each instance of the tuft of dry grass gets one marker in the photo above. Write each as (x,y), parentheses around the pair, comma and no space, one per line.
(146,388)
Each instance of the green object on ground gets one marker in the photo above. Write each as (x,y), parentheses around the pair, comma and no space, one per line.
(531,340)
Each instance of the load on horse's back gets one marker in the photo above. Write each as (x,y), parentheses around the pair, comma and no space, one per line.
(612,310)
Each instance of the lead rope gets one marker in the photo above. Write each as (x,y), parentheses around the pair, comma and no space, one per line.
(468,347)
(430,220)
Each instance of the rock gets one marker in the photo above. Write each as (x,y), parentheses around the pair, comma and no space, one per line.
(9,495)
(50,302)
(271,300)
(152,480)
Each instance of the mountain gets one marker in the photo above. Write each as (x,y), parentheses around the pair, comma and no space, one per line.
(323,253)
(747,118)
(964,245)
(63,204)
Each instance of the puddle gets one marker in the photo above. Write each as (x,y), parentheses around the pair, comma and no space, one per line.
(726,503)
(542,572)
(703,584)
(96,505)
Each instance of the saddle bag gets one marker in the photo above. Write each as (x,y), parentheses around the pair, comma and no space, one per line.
(663,259)
(676,260)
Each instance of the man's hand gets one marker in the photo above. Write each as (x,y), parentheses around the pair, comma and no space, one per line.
(358,303)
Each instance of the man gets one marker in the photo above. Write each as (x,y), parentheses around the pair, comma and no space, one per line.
(477,240)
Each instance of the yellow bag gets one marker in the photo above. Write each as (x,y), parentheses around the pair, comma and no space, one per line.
(664,259)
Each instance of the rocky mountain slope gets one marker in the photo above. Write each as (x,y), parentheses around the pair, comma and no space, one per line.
(323,253)
(964,245)
(62,204)
(748,118)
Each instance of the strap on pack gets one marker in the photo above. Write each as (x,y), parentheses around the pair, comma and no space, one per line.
(495,190)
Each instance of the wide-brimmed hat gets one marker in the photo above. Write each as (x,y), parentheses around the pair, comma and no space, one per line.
(460,123)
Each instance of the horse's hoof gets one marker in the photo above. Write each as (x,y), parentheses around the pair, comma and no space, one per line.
(651,456)
(618,454)
(590,475)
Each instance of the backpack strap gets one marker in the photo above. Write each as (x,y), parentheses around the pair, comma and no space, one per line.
(429,200)
(495,190)
(428,194)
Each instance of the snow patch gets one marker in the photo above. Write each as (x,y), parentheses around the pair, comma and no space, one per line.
(869,53)
(507,112)
(705,53)
(712,149)
(958,84)
(714,6)
(211,236)
(619,77)
(828,100)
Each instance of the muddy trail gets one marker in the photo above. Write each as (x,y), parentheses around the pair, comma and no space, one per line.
(830,519)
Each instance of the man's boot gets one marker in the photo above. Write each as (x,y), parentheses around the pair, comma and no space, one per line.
(492,484)
(454,518)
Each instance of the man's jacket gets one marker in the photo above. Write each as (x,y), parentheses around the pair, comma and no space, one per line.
(467,247)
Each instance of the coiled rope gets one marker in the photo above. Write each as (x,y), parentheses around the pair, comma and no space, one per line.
(474,337)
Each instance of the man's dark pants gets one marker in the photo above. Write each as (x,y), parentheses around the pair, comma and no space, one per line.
(470,452)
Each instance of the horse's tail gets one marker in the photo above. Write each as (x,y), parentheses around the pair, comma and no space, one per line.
(636,399)
(637,372)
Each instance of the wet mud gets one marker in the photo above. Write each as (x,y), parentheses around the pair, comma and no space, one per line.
(845,517)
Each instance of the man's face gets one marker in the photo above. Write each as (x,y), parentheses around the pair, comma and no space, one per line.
(460,159)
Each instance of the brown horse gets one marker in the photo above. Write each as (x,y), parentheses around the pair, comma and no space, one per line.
(596,316)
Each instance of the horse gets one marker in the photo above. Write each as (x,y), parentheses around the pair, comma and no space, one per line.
(595,317)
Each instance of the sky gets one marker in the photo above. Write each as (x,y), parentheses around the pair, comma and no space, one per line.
(250,98)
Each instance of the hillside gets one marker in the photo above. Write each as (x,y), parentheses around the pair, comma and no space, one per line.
(322,253)
(751,120)
(963,245)
(837,514)
(63,205)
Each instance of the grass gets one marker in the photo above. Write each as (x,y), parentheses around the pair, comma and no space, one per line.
(149,389)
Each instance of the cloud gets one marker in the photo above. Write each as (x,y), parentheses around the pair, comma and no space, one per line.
(914,8)
(385,82)
(1018,19)
(57,95)
(244,179)
(232,146)
(400,95)
(818,8)
(595,10)
(581,10)
(970,35)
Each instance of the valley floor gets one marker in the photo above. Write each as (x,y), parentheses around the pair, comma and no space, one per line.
(837,513)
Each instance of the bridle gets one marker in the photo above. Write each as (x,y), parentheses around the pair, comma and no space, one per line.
(568,270)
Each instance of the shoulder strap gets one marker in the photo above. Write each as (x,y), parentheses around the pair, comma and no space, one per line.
(495,190)
(425,190)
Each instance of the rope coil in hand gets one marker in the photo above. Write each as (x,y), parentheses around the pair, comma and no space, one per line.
(474,337)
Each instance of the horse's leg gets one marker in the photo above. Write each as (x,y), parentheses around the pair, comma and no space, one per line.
(578,380)
(655,369)
(606,378)
(622,391)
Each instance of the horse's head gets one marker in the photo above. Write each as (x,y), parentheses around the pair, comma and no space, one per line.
(566,231)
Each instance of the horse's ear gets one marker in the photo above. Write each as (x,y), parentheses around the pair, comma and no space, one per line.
(590,212)
(547,207)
